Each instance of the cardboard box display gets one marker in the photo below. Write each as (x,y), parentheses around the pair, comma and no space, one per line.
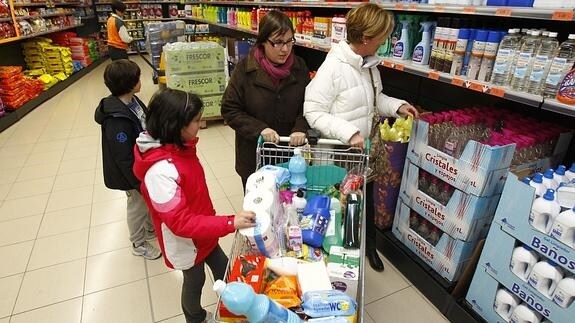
(200,59)
(448,257)
(495,264)
(513,217)
(343,269)
(212,106)
(480,170)
(465,217)
(249,270)
(208,83)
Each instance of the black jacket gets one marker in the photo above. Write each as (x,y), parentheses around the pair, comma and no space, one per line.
(120,129)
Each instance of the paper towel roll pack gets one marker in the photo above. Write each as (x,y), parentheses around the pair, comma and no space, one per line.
(262,237)
(261,181)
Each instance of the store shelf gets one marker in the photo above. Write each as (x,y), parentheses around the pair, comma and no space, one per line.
(226,26)
(424,71)
(44,16)
(5,19)
(559,107)
(13,39)
(160,19)
(87,17)
(45,4)
(148,2)
(14,116)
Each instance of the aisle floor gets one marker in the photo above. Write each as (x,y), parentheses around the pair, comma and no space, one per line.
(64,248)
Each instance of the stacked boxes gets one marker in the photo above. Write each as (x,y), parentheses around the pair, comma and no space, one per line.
(159,34)
(447,204)
(40,53)
(510,230)
(15,89)
(200,68)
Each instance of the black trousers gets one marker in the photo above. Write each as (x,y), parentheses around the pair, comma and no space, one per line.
(194,279)
(117,53)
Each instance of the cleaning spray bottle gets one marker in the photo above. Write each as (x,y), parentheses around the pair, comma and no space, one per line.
(401,49)
(422,50)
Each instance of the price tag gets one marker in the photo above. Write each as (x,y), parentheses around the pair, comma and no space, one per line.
(388,64)
(505,12)
(457,81)
(563,15)
(476,86)
(399,6)
(497,91)
(439,9)
(413,7)
(433,75)
(399,67)
(469,10)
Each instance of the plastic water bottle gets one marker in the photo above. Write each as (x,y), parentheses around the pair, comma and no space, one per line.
(564,294)
(523,259)
(559,175)
(541,63)
(548,180)
(537,183)
(505,55)
(561,64)
(545,276)
(544,211)
(523,314)
(505,303)
(477,52)
(240,299)
(527,52)
(297,167)
(489,55)
(564,227)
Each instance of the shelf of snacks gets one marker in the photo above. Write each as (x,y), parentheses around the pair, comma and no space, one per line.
(32,35)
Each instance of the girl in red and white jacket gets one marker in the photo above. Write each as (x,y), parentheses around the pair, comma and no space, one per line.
(174,187)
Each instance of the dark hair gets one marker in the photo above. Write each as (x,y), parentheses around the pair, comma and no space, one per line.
(121,76)
(273,22)
(118,6)
(169,112)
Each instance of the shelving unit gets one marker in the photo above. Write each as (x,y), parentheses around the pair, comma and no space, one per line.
(14,39)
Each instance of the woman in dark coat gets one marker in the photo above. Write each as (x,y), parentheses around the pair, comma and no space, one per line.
(265,94)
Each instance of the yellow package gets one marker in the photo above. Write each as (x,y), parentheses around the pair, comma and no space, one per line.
(284,291)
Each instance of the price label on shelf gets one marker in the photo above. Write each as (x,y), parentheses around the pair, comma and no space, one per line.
(497,91)
(563,15)
(439,8)
(477,87)
(505,12)
(469,9)
(433,75)
(413,7)
(398,67)
(387,64)
(399,6)
(457,81)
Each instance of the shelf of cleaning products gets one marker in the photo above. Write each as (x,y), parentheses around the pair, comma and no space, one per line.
(482,87)
(560,14)
(559,107)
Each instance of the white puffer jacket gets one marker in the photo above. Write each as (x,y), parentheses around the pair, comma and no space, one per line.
(339,100)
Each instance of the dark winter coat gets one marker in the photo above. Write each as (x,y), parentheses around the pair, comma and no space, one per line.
(252,103)
(120,129)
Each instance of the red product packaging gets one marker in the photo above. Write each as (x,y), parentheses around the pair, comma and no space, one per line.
(249,270)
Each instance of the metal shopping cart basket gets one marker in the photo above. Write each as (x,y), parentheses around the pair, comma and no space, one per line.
(328,163)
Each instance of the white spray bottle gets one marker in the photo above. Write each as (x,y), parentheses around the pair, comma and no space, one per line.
(422,50)
(401,48)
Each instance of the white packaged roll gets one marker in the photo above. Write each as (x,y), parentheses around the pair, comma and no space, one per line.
(261,181)
(262,237)
(262,201)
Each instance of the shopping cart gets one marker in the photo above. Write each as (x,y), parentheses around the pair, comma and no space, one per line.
(328,163)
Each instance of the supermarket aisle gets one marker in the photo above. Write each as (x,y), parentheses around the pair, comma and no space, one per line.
(63,236)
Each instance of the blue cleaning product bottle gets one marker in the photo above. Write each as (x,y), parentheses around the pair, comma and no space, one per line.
(315,220)
(422,50)
(241,299)
(297,167)
(401,48)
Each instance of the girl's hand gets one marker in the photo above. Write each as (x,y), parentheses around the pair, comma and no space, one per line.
(297,139)
(408,110)
(245,219)
(270,135)
(356,140)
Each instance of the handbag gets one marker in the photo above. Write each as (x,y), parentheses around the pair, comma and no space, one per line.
(377,160)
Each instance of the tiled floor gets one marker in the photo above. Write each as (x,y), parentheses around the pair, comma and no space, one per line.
(64,249)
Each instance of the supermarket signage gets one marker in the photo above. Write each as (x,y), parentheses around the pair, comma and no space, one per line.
(551,253)
(422,247)
(531,300)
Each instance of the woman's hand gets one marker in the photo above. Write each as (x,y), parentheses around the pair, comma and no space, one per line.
(245,219)
(270,135)
(408,110)
(297,138)
(356,140)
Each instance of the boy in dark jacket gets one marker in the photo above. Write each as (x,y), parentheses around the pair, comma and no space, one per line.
(122,117)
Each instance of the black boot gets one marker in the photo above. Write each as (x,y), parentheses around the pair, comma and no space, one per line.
(374,260)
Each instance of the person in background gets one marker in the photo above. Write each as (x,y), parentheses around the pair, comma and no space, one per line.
(265,93)
(346,92)
(122,117)
(175,189)
(118,37)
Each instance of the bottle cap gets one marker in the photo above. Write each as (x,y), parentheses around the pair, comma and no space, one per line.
(549,195)
(299,192)
(549,173)
(526,180)
(219,286)
(297,151)
(538,178)
(561,170)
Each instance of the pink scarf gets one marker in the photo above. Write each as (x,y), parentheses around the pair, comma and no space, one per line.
(277,73)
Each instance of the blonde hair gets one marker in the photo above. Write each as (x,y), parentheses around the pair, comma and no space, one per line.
(367,20)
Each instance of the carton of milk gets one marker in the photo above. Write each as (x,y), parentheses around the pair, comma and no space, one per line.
(343,269)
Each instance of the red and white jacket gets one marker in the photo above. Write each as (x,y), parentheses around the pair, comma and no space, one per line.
(174,187)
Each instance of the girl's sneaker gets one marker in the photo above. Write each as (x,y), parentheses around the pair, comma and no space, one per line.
(147,251)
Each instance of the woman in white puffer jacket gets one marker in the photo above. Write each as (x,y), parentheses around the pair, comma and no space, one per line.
(342,98)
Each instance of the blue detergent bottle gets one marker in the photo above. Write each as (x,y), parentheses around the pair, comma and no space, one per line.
(315,220)
(240,299)
(297,168)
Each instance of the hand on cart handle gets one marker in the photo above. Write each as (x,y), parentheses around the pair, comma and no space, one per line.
(245,219)
(270,135)
(297,139)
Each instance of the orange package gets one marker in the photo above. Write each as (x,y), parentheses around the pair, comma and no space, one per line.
(284,291)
